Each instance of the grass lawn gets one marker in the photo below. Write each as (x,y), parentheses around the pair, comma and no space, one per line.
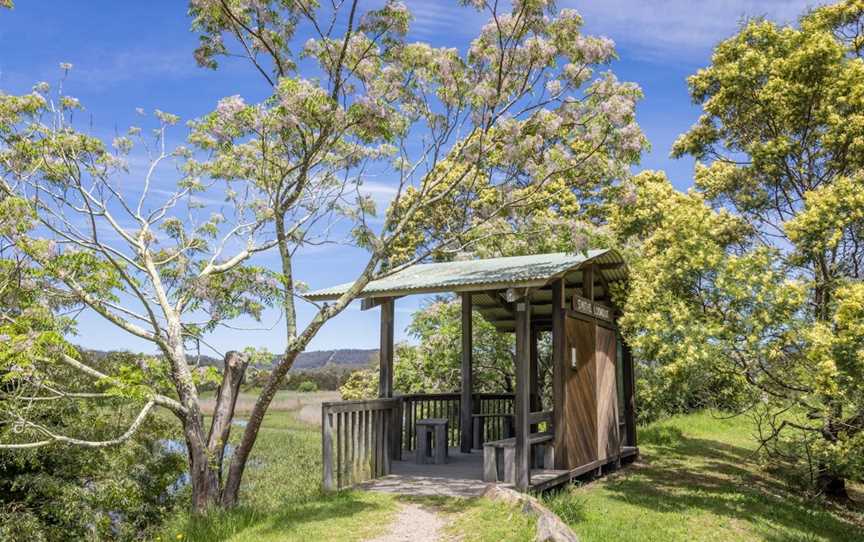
(281,497)
(282,500)
(698,479)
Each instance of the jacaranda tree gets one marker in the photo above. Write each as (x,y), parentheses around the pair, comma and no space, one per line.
(516,117)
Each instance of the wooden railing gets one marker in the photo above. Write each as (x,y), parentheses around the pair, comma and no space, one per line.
(496,427)
(446,405)
(359,439)
(430,405)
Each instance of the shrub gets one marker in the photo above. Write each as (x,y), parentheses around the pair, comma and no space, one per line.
(360,385)
(307,386)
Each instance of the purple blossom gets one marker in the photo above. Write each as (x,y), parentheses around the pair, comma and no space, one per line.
(230,106)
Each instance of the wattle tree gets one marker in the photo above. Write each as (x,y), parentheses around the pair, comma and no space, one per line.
(755,277)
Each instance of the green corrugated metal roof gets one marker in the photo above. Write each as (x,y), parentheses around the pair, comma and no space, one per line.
(508,272)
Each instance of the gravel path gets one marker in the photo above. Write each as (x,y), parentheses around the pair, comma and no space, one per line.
(414,523)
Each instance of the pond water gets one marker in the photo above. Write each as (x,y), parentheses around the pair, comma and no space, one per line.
(176,446)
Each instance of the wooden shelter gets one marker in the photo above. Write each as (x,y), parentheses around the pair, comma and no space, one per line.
(591,421)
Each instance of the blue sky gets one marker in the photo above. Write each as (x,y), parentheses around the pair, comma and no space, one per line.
(139,54)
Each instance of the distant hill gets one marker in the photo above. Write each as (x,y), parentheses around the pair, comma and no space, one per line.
(342,357)
(306,361)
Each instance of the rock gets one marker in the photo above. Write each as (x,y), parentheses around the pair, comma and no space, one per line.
(550,528)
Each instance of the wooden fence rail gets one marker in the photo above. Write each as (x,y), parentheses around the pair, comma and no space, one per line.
(359,439)
(446,405)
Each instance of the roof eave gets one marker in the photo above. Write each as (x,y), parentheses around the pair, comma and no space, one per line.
(438,290)
(534,283)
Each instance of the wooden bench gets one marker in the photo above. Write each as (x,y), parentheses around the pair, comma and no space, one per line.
(506,448)
(436,450)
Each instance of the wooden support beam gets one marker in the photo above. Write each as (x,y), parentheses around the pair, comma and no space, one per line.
(522,405)
(513,294)
(559,370)
(372,302)
(588,282)
(502,302)
(385,352)
(607,293)
(465,406)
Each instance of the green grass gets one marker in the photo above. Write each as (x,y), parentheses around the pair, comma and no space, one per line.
(281,500)
(698,478)
(281,497)
(483,520)
(479,519)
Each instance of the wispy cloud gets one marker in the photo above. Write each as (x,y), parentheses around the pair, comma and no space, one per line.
(649,29)
(436,21)
(382,194)
(100,70)
(681,29)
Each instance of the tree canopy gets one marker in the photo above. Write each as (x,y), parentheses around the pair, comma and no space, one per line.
(754,276)
(470,141)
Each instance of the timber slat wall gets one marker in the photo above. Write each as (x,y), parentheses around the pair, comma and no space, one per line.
(359,439)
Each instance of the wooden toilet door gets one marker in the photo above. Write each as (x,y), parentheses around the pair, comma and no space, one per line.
(590,393)
(608,441)
(580,411)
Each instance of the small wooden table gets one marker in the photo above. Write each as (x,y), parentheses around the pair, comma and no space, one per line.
(480,423)
(436,450)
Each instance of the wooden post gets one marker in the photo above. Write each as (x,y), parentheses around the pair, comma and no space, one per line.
(465,407)
(534,374)
(534,368)
(522,400)
(327,448)
(588,282)
(629,393)
(559,370)
(396,417)
(385,352)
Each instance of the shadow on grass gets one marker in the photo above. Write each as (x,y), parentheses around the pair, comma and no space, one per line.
(678,474)
(290,522)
